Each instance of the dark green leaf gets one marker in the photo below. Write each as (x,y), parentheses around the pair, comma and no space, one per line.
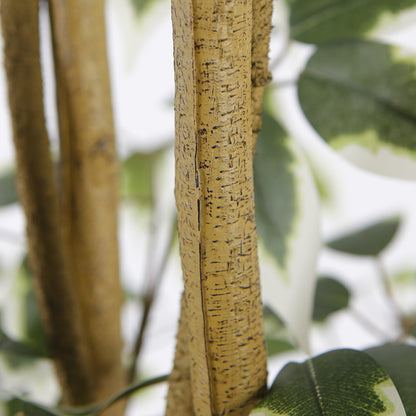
(137,177)
(8,191)
(277,336)
(321,21)
(337,383)
(274,185)
(368,241)
(330,296)
(29,408)
(399,360)
(18,349)
(360,98)
(33,330)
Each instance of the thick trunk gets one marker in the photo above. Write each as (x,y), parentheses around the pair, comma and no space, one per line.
(90,182)
(39,199)
(215,201)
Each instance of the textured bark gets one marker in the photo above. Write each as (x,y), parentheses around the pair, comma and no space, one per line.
(215,201)
(90,182)
(260,75)
(39,198)
(179,400)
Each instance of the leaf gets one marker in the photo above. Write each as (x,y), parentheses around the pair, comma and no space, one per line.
(399,361)
(18,349)
(29,408)
(137,177)
(322,21)
(8,191)
(287,216)
(142,6)
(337,383)
(277,337)
(32,327)
(330,296)
(359,96)
(368,241)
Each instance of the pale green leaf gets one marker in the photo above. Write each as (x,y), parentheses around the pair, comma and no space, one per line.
(330,296)
(360,96)
(368,241)
(287,215)
(399,360)
(8,192)
(137,177)
(277,336)
(320,21)
(337,383)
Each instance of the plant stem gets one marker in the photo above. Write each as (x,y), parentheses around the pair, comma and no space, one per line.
(89,182)
(59,310)
(154,281)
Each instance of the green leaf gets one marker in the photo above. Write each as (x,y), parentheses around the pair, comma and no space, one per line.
(18,349)
(29,408)
(330,296)
(277,336)
(360,96)
(368,241)
(287,216)
(8,191)
(320,21)
(137,177)
(399,360)
(142,6)
(337,383)
(275,188)
(33,330)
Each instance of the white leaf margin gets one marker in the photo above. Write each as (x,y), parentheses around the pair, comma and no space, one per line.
(290,291)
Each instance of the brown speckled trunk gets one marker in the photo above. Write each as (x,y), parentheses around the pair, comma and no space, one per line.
(220,365)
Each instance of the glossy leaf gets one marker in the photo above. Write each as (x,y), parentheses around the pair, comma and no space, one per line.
(287,215)
(320,21)
(277,337)
(368,241)
(399,361)
(8,191)
(337,383)
(330,296)
(360,96)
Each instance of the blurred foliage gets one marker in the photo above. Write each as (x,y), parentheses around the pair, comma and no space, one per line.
(323,21)
(8,191)
(330,296)
(367,241)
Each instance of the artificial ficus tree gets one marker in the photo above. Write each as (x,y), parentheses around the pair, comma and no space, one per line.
(220,51)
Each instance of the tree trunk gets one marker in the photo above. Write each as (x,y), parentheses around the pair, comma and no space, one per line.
(39,199)
(215,202)
(90,182)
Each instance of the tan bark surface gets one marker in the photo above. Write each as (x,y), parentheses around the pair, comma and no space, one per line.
(214,194)
(39,198)
(260,75)
(90,182)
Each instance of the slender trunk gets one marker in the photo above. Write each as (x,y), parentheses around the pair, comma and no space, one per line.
(40,201)
(260,75)
(214,194)
(89,182)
